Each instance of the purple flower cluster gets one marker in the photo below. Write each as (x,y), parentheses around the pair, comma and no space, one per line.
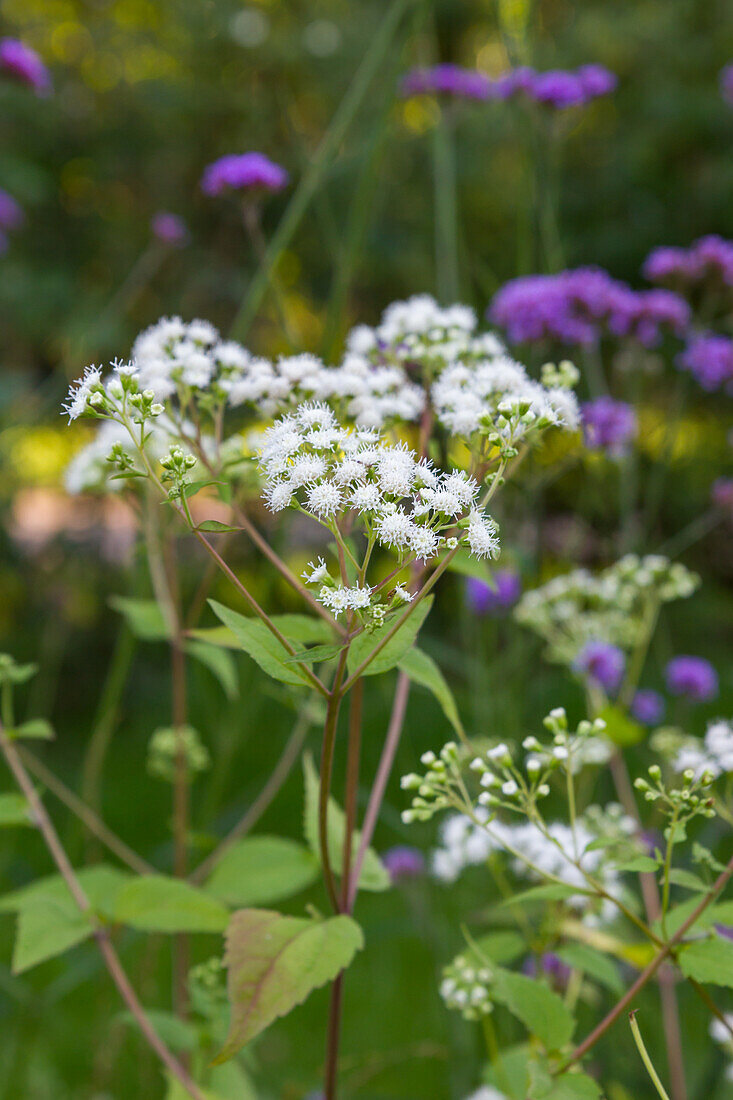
(710,359)
(403,862)
(496,598)
(556,88)
(11,217)
(647,707)
(580,305)
(21,63)
(602,663)
(709,257)
(721,494)
(551,965)
(243,172)
(169,228)
(693,677)
(608,425)
(726,84)
(449,80)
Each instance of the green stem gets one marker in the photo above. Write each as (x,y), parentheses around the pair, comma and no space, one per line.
(645,1056)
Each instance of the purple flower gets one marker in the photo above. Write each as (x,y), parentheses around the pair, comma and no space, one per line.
(597,80)
(708,257)
(721,494)
(647,707)
(580,305)
(450,80)
(23,64)
(710,359)
(726,83)
(608,425)
(666,263)
(243,172)
(169,228)
(693,677)
(724,930)
(602,663)
(403,862)
(558,89)
(550,964)
(11,217)
(495,598)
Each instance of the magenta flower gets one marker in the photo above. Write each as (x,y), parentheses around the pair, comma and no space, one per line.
(648,707)
(558,88)
(693,677)
(449,80)
(602,663)
(709,257)
(21,63)
(243,172)
(608,425)
(169,228)
(496,598)
(403,862)
(11,213)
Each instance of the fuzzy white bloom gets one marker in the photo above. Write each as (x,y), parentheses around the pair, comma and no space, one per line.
(487,1092)
(315,574)
(80,391)
(340,598)
(482,536)
(714,754)
(401,593)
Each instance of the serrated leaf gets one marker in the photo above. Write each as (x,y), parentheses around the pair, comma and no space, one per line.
(620,729)
(100,883)
(37,729)
(709,960)
(14,810)
(541,1010)
(423,670)
(639,864)
(594,963)
(218,662)
(156,903)
(573,1086)
(144,617)
(261,645)
(303,628)
(374,875)
(259,870)
(47,927)
(395,649)
(496,947)
(274,962)
(678,876)
(511,1071)
(315,654)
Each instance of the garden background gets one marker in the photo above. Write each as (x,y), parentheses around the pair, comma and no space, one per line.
(145,95)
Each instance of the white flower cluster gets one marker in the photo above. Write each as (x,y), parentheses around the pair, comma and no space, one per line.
(310,461)
(465,987)
(487,1092)
(610,606)
(466,843)
(714,754)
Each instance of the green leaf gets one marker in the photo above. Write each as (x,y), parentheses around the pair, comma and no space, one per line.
(620,729)
(511,1071)
(374,875)
(176,1091)
(573,1086)
(315,654)
(497,947)
(232,1082)
(176,1033)
(156,903)
(144,617)
(274,962)
(37,729)
(423,670)
(218,661)
(709,960)
(680,877)
(395,649)
(100,883)
(215,526)
(14,810)
(540,1009)
(47,927)
(464,563)
(259,870)
(262,646)
(306,629)
(594,963)
(700,854)
(640,863)
(550,891)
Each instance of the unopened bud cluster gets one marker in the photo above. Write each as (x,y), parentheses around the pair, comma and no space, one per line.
(465,987)
(170,746)
(692,799)
(439,788)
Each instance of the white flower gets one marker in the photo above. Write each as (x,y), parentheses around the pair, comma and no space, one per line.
(324,499)
(401,593)
(80,391)
(317,574)
(340,598)
(482,536)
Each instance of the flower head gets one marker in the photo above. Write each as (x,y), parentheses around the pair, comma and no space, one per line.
(169,228)
(602,663)
(494,598)
(450,80)
(243,172)
(693,677)
(709,358)
(608,425)
(21,63)
(648,707)
(403,862)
